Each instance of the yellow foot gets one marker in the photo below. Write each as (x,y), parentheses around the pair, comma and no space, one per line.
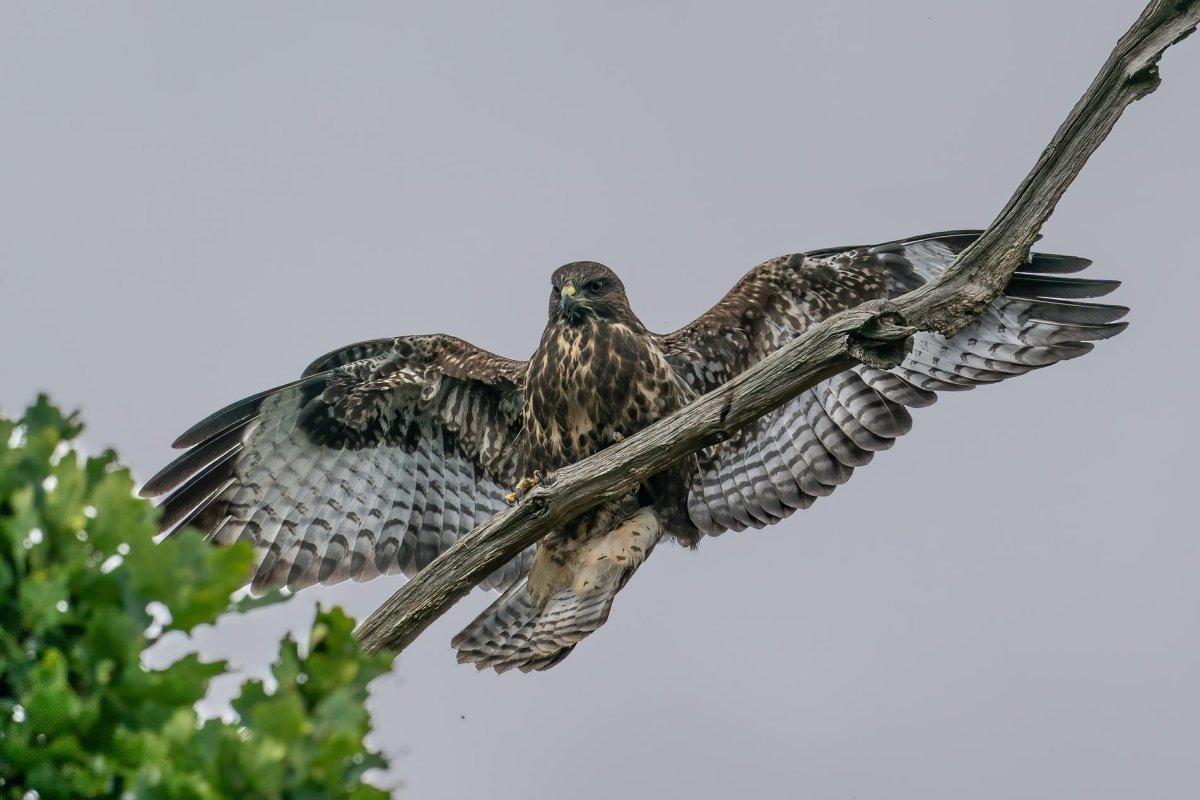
(523,487)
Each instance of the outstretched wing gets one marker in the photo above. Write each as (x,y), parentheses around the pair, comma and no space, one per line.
(811,445)
(377,459)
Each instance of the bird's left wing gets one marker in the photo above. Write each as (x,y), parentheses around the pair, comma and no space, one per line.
(378,458)
(803,450)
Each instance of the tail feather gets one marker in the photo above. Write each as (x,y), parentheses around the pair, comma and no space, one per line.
(493,634)
(569,617)
(519,631)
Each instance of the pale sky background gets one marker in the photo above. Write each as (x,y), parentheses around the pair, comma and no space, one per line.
(196,199)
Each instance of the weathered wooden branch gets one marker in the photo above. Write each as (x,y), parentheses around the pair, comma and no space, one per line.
(875,333)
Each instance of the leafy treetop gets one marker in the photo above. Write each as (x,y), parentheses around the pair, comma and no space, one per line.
(84,589)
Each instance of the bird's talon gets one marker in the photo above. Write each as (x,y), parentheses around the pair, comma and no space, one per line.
(523,488)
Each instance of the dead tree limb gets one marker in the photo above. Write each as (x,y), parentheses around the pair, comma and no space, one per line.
(876,333)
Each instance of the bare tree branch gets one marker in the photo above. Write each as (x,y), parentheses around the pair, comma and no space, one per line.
(875,333)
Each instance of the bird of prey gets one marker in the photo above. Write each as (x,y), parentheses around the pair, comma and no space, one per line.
(384,452)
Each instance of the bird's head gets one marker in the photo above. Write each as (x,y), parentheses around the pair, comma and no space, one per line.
(587,290)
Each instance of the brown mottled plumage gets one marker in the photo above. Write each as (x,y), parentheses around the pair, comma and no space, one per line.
(384,452)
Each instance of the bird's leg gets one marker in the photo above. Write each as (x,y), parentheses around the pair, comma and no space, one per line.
(523,487)
(617,437)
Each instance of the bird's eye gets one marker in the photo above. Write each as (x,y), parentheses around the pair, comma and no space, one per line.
(554,288)
(597,285)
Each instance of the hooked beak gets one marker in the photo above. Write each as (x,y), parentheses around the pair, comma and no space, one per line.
(567,302)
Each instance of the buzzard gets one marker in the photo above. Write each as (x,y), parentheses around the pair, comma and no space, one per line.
(384,452)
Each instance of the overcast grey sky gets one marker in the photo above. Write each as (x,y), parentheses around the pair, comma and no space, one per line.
(198,198)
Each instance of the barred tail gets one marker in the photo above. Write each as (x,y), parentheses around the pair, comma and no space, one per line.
(518,630)
(502,636)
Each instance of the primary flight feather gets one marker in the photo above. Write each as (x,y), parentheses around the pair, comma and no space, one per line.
(384,452)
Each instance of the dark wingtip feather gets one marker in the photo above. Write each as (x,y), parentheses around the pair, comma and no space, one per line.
(1057,333)
(191,463)
(187,502)
(221,421)
(1096,333)
(1055,264)
(1117,311)
(1115,329)
(1066,352)
(1066,311)
(1039,286)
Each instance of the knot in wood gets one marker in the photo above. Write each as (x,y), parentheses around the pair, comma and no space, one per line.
(538,504)
(882,341)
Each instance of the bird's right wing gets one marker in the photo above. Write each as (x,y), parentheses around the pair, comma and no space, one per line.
(812,444)
(376,460)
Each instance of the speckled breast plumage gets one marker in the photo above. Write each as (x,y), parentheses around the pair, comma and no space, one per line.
(590,384)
